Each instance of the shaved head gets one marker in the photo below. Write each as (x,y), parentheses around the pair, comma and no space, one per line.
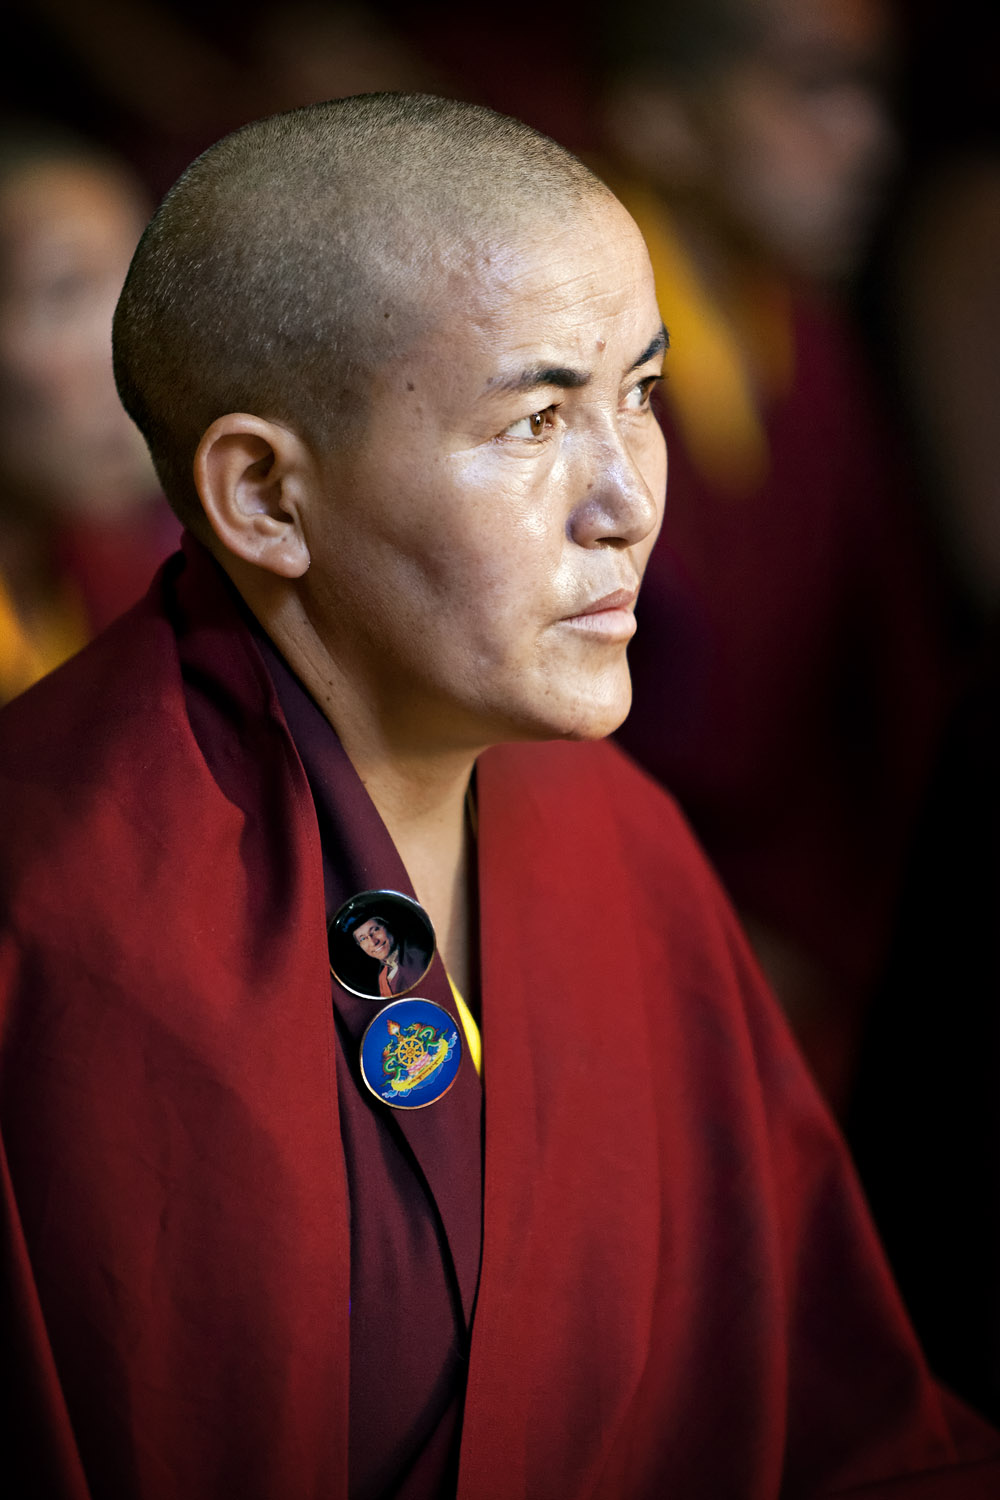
(301,252)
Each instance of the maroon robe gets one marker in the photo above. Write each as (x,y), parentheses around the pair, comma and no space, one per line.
(680,1292)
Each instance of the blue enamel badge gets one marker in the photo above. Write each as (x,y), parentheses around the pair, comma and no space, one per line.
(411,1053)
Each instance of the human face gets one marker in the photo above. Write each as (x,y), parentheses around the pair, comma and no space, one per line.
(800,133)
(374,940)
(476,556)
(67,233)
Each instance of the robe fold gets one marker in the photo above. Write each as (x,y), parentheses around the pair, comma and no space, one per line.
(679,1293)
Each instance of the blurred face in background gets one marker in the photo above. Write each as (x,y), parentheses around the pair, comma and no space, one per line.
(67,233)
(777,135)
(799,132)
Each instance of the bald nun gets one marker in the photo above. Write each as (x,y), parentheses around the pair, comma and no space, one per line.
(560,1217)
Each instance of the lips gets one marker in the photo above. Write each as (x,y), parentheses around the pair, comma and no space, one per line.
(620,599)
(608,618)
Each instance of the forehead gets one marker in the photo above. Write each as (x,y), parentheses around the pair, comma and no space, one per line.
(593,255)
(543,288)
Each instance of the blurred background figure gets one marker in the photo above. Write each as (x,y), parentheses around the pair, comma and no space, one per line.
(792,666)
(933,288)
(82,524)
(946,308)
(924,1123)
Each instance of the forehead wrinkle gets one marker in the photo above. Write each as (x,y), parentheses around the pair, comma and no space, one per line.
(530,267)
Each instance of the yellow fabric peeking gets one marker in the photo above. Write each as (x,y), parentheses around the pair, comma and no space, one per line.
(472,1032)
(722,360)
(28,651)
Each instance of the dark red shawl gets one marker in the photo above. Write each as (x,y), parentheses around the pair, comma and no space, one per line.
(680,1290)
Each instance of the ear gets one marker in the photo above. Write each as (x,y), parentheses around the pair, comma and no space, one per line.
(253,478)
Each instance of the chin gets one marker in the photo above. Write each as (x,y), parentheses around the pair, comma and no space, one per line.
(594,719)
(560,708)
(597,729)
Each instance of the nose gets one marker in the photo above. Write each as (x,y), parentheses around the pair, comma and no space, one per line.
(624,488)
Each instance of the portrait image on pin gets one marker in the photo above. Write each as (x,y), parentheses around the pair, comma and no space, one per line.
(381,944)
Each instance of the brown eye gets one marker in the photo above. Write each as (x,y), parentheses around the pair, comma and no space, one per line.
(535,426)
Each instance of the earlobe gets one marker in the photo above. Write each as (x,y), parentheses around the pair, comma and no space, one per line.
(252,477)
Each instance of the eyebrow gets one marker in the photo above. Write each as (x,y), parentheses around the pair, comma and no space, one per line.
(658,344)
(565,378)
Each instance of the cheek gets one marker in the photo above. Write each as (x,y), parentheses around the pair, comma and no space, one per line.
(499,539)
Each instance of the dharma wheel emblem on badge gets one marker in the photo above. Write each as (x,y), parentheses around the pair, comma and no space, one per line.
(381,944)
(411,1054)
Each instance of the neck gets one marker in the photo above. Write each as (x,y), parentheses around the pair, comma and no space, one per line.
(423,809)
(420,792)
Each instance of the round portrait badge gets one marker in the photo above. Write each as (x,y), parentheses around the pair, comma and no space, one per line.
(411,1054)
(381,944)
